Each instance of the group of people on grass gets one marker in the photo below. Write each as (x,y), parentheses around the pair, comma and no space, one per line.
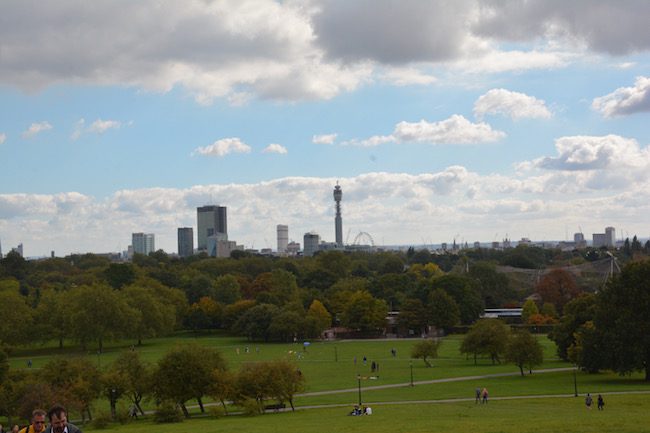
(589,401)
(481,395)
(360,410)
(58,419)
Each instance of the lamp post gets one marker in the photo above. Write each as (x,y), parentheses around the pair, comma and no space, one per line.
(411,365)
(575,380)
(359,383)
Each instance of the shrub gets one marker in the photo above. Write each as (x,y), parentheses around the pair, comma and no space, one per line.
(101,420)
(167,412)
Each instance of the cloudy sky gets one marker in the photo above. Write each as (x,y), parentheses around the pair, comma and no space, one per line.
(440,120)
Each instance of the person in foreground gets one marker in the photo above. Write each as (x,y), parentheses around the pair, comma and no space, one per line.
(58,416)
(38,422)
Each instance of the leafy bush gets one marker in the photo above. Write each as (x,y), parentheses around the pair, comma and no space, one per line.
(101,420)
(167,412)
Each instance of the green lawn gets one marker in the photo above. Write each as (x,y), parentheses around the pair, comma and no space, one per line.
(331,366)
(623,414)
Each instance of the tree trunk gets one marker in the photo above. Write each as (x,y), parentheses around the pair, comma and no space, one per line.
(90,416)
(521,369)
(101,345)
(184,409)
(139,341)
(137,405)
(198,399)
(60,342)
(293,409)
(475,359)
(223,403)
(112,408)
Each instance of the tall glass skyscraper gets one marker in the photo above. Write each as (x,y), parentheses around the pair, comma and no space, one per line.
(211,220)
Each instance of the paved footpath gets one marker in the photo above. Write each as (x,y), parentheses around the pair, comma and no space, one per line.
(427,382)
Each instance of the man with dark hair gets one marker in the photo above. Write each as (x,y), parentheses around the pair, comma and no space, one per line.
(58,416)
(37,424)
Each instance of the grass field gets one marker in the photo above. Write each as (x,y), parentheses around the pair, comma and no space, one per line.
(330,366)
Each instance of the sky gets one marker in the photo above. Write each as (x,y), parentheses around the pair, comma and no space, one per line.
(441,120)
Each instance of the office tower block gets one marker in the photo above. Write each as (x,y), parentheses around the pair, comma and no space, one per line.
(211,220)
(283,238)
(185,241)
(143,243)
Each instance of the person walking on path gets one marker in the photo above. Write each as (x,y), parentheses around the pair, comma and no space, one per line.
(478,395)
(601,402)
(484,394)
(588,401)
(37,424)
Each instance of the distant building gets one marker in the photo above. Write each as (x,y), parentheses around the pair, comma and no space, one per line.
(599,240)
(212,246)
(283,238)
(143,243)
(610,237)
(495,245)
(211,220)
(338,221)
(185,241)
(293,248)
(18,249)
(579,240)
(311,242)
(477,245)
(525,241)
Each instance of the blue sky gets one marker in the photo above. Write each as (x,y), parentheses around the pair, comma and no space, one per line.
(441,120)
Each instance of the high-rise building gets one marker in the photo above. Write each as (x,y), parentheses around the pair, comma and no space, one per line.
(610,237)
(338,221)
(311,242)
(143,243)
(211,220)
(283,238)
(598,240)
(185,241)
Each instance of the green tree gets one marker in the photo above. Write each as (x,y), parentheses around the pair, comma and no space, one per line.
(318,318)
(524,350)
(227,289)
(493,286)
(425,349)
(119,275)
(16,318)
(412,316)
(486,337)
(443,310)
(98,313)
(255,322)
(576,313)
(155,317)
(364,313)
(137,374)
(76,382)
(53,318)
(222,387)
(185,372)
(587,350)
(463,290)
(622,318)
(529,309)
(287,324)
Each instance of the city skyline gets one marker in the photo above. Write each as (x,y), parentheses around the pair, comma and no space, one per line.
(440,121)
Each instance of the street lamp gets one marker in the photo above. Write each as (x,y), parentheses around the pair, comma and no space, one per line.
(359,382)
(575,380)
(411,365)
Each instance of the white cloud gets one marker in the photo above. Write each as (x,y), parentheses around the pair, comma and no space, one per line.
(455,130)
(100,126)
(223,147)
(275,148)
(511,104)
(595,152)
(36,128)
(3,138)
(292,50)
(324,139)
(407,77)
(437,202)
(625,100)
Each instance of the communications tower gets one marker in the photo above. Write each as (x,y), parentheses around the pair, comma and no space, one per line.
(338,221)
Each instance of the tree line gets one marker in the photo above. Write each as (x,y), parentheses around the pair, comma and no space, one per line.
(187,372)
